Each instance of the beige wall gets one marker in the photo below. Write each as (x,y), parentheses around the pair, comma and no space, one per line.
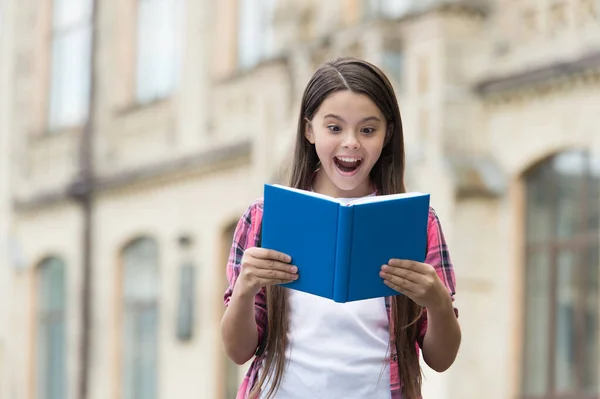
(201,207)
(446,54)
(6,104)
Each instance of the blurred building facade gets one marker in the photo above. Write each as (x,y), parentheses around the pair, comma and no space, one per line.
(135,151)
(6,95)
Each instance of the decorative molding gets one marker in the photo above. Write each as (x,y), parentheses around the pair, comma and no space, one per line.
(538,78)
(197,163)
(478,8)
(238,74)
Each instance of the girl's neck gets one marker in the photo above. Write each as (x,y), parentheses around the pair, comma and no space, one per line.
(322,185)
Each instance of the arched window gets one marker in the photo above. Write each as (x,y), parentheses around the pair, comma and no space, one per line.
(51,349)
(560,351)
(140,319)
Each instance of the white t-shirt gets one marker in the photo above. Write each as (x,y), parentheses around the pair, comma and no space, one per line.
(336,350)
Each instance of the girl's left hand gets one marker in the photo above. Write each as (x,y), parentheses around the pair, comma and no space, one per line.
(418,281)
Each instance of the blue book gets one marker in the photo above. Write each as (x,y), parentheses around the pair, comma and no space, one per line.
(339,247)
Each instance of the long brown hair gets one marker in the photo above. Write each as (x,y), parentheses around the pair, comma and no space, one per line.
(387,175)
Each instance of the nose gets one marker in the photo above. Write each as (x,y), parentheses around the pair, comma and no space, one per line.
(350,141)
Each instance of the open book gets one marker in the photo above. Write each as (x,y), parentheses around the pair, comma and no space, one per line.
(339,246)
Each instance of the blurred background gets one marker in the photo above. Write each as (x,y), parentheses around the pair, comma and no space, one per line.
(134,134)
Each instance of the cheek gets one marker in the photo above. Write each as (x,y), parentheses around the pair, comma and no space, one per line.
(324,154)
(375,148)
(325,146)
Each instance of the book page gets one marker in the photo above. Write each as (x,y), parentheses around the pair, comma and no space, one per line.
(305,192)
(350,202)
(381,198)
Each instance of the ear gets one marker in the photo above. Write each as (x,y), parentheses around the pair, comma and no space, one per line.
(308,132)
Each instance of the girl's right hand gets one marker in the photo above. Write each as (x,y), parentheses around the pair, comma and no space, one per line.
(261,267)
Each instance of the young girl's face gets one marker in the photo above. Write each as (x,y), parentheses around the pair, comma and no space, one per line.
(348,132)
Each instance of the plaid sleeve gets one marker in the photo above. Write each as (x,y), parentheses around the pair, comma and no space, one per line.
(245,236)
(438,257)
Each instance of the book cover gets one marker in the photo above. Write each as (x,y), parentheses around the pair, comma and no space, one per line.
(339,247)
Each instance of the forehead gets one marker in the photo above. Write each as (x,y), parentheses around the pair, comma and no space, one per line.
(346,103)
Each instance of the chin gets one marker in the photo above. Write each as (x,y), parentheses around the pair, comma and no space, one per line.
(348,184)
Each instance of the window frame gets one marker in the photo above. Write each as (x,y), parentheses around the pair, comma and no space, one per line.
(60,32)
(387,9)
(46,318)
(263,28)
(136,308)
(147,91)
(579,242)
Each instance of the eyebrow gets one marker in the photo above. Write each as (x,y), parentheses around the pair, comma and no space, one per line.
(368,118)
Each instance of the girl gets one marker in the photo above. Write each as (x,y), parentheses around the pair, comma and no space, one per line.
(349,144)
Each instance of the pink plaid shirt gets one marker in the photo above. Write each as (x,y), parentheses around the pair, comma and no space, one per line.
(247,235)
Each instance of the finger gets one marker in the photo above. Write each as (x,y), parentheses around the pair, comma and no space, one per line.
(270,264)
(264,253)
(272,274)
(395,287)
(408,265)
(404,285)
(404,273)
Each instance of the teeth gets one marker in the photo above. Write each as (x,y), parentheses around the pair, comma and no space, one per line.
(347,159)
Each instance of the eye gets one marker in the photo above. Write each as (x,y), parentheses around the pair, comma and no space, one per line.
(334,128)
(367,130)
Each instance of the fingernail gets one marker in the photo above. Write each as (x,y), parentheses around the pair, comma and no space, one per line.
(384,267)
(294,269)
(288,258)
(295,277)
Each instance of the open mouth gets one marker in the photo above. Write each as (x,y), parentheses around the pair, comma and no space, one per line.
(347,164)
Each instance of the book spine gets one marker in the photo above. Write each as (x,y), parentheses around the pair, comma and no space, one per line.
(342,253)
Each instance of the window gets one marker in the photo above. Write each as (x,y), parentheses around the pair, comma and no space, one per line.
(561,280)
(70,67)
(393,60)
(51,350)
(387,8)
(140,320)
(159,44)
(255,36)
(186,308)
(393,65)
